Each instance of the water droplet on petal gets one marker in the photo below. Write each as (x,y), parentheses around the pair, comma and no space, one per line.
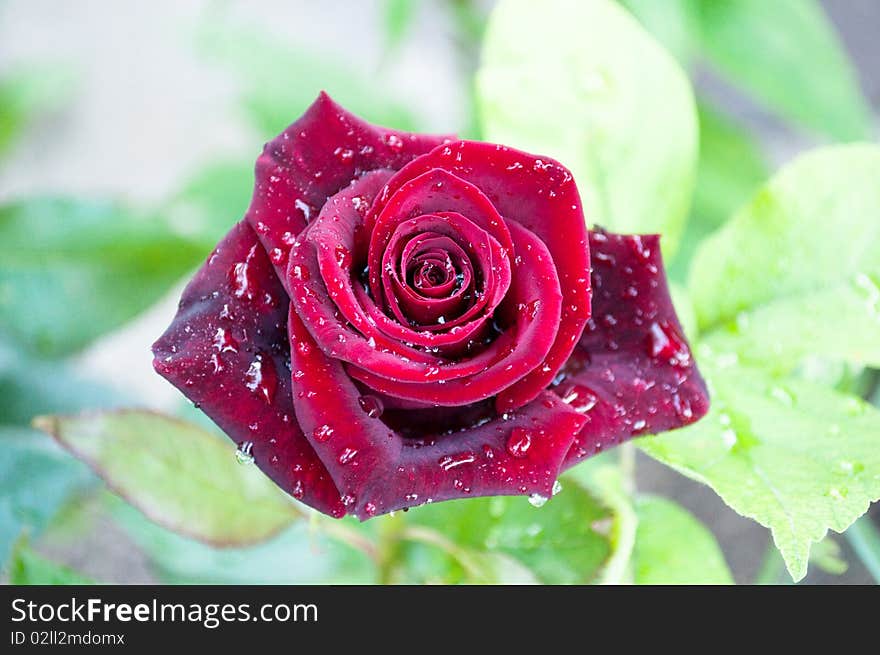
(664,342)
(239,277)
(371,405)
(519,442)
(243,453)
(448,462)
(261,378)
(347,455)
(322,433)
(580,398)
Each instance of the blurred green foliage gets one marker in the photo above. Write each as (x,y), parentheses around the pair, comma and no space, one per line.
(28,94)
(74,270)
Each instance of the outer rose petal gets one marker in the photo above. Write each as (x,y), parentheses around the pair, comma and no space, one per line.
(380,470)
(541,195)
(227,351)
(319,154)
(632,372)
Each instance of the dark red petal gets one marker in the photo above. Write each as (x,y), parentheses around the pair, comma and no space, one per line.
(540,194)
(434,192)
(227,351)
(486,256)
(531,314)
(319,154)
(379,470)
(632,372)
(320,284)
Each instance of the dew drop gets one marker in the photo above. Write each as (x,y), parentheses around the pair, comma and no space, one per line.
(664,342)
(224,342)
(448,462)
(322,433)
(537,500)
(394,141)
(580,398)
(303,207)
(243,453)
(371,405)
(276,255)
(239,277)
(261,378)
(347,455)
(519,442)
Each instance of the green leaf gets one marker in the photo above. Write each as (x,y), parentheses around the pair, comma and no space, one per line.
(673,547)
(300,554)
(36,477)
(564,541)
(828,556)
(28,93)
(670,21)
(398,17)
(582,81)
(278,81)
(212,200)
(29,568)
(177,474)
(731,169)
(797,271)
(29,387)
(787,55)
(72,270)
(603,478)
(796,457)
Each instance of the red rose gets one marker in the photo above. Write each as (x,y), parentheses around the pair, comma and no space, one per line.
(404,318)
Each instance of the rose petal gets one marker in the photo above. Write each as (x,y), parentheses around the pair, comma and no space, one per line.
(227,351)
(530,312)
(632,372)
(434,192)
(540,194)
(319,154)
(485,253)
(379,470)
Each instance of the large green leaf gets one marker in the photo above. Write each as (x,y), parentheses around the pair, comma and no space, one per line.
(786,54)
(71,270)
(36,477)
(582,81)
(671,22)
(564,541)
(797,271)
(30,568)
(796,457)
(673,547)
(177,474)
(731,169)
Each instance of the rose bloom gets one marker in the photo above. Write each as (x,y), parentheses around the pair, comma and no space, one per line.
(403,319)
